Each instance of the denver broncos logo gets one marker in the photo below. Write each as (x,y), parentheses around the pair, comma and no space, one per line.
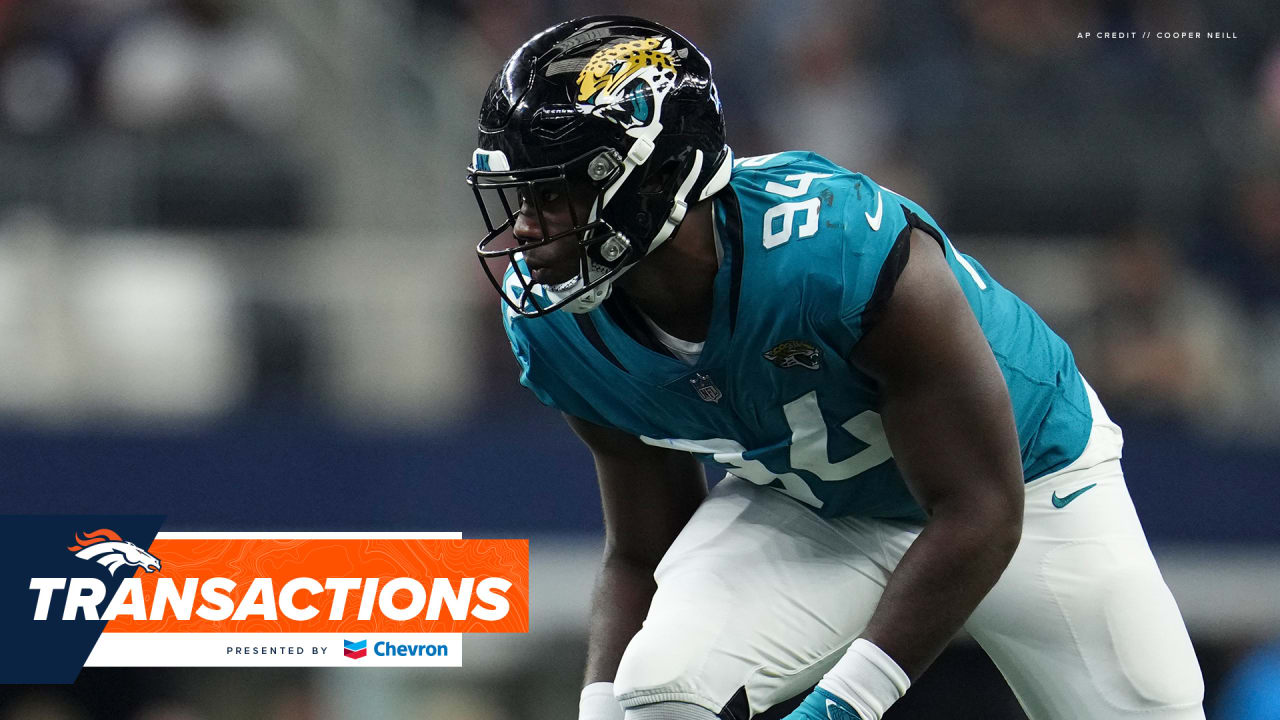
(110,550)
(794,353)
(626,82)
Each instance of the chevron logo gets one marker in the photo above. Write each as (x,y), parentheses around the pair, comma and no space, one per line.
(355,650)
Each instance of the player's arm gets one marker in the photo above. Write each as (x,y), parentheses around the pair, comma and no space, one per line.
(648,494)
(947,414)
(949,422)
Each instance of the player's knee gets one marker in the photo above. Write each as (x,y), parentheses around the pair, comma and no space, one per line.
(663,663)
(1126,626)
(1151,642)
(679,653)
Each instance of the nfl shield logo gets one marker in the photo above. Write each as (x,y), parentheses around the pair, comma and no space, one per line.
(707,390)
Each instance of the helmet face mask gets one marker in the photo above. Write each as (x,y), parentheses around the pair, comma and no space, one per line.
(621,116)
(602,252)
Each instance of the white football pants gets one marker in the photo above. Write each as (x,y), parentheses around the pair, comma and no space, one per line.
(760,593)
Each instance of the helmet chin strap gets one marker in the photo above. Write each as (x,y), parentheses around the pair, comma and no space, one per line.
(587,301)
(592,299)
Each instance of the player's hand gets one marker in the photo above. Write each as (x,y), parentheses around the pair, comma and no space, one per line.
(822,705)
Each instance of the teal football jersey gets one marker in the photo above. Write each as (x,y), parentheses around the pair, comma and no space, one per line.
(809,255)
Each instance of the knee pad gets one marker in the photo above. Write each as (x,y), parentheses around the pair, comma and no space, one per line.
(664,663)
(1151,642)
(671,658)
(1128,629)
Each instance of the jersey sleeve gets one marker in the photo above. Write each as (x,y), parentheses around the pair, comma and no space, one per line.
(521,347)
(876,246)
(537,372)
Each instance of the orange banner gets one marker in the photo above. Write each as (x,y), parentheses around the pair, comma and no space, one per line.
(327,585)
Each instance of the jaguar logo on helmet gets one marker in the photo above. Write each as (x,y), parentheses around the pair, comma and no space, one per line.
(626,82)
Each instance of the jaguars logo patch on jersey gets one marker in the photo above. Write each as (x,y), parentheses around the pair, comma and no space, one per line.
(795,353)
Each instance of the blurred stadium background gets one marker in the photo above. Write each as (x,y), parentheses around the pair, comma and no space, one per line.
(237,287)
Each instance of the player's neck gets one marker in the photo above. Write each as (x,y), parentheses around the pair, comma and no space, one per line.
(673,286)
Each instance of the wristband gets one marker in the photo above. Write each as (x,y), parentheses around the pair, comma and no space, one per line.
(598,703)
(867,678)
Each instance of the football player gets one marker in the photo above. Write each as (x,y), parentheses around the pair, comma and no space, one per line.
(910,451)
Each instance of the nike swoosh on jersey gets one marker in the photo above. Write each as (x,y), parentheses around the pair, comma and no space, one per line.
(1061,502)
(874,222)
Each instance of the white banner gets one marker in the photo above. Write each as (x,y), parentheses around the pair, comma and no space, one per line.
(276,650)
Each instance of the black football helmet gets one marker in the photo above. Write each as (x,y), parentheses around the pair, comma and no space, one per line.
(618,107)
